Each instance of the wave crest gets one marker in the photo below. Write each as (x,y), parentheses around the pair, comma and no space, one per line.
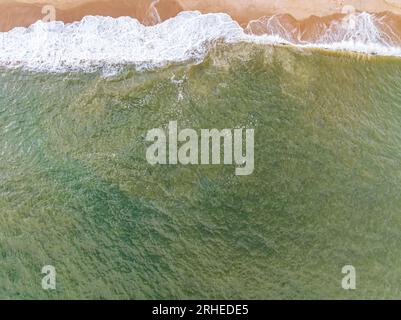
(98,41)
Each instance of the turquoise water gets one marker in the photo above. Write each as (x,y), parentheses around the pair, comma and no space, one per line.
(77,192)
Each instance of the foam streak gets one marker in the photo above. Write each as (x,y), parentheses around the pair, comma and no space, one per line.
(104,41)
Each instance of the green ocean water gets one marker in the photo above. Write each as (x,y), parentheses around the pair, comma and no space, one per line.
(77,192)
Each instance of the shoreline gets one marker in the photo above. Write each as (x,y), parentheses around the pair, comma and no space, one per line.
(23,13)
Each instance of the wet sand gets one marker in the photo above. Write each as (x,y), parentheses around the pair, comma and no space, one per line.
(26,12)
(13,14)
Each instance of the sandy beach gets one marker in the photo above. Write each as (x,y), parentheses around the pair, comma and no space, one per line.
(26,12)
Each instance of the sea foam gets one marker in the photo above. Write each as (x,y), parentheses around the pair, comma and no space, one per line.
(98,41)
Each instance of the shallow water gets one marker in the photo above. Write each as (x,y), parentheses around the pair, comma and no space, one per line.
(78,193)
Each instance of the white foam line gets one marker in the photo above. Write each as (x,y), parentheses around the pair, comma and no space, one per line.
(106,42)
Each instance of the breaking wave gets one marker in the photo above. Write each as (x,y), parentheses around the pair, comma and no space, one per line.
(98,41)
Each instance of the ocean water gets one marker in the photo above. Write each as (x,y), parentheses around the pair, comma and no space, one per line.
(77,192)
